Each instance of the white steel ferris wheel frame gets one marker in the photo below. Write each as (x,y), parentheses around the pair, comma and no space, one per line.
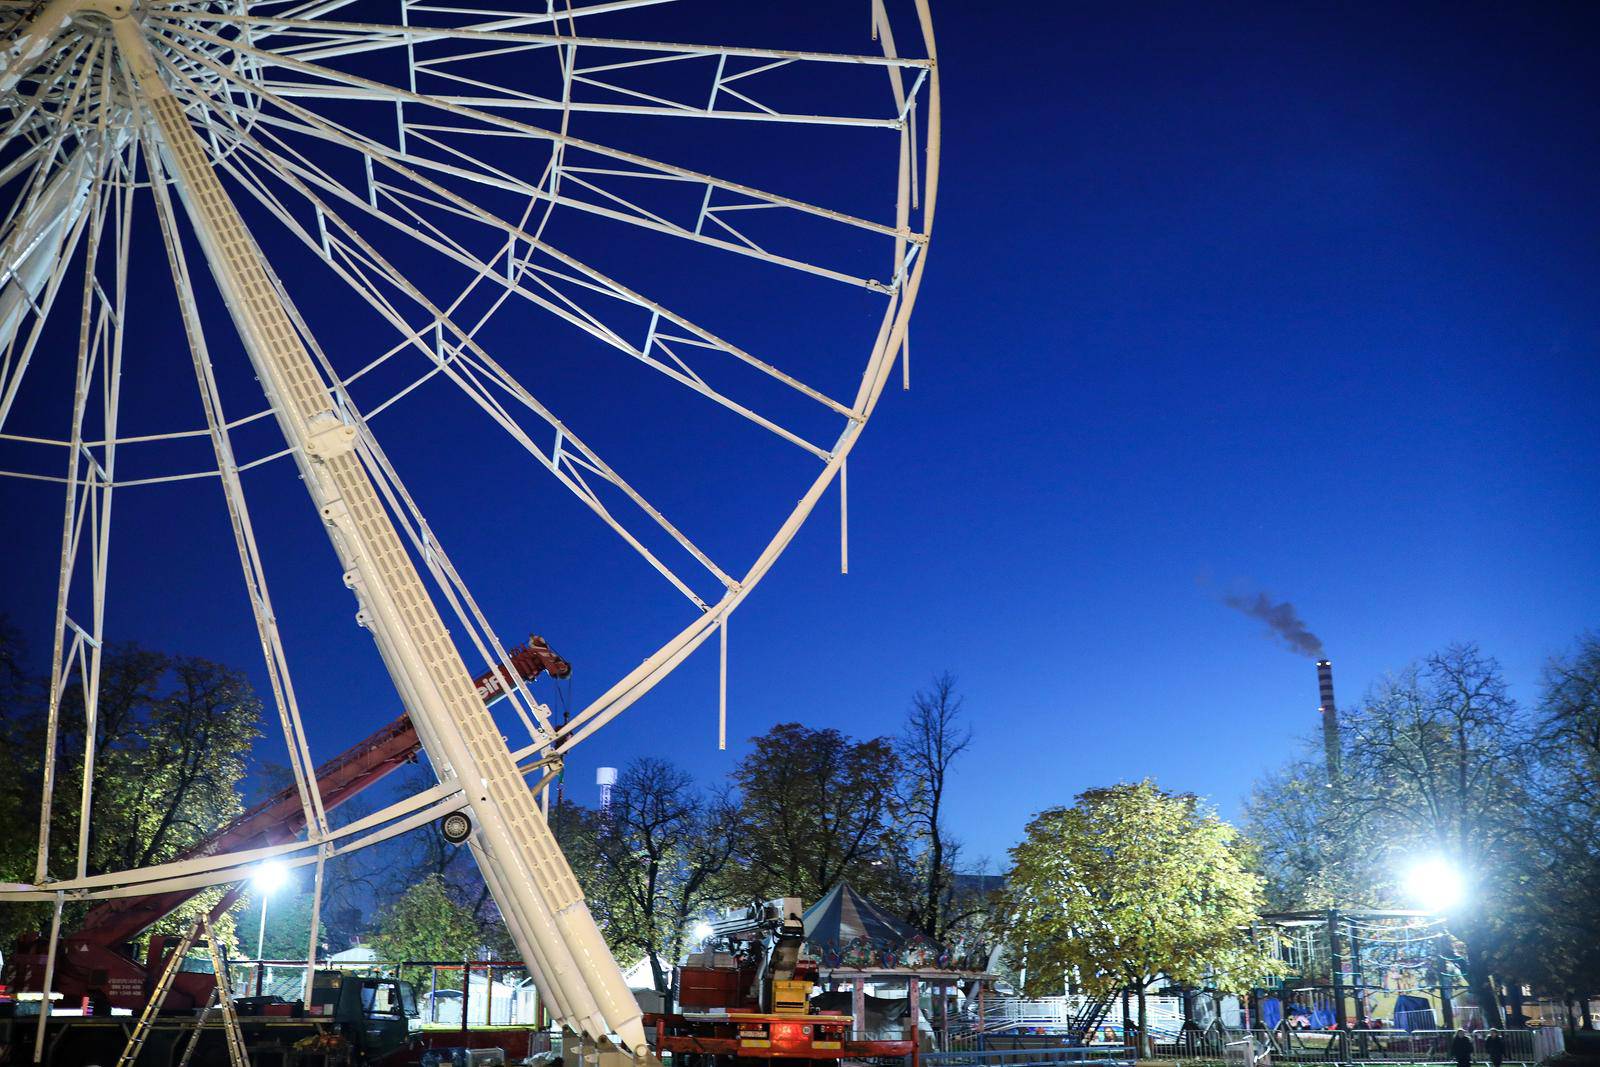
(355,489)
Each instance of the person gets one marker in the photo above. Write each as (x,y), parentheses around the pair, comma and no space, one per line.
(1495,1046)
(1461,1049)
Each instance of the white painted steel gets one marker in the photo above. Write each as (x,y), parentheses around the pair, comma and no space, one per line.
(102,104)
(393,603)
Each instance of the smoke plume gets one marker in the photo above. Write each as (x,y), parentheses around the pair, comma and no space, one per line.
(1282,620)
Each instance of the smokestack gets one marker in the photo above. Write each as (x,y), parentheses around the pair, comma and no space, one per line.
(1330,719)
(605,778)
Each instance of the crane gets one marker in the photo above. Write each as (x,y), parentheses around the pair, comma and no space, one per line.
(96,959)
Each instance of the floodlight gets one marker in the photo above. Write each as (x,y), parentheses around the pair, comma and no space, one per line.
(270,876)
(1435,883)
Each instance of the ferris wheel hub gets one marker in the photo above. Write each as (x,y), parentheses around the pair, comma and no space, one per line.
(49,58)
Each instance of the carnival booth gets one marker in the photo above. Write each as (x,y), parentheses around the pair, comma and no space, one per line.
(889,976)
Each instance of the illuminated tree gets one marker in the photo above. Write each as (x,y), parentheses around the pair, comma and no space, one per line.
(1130,886)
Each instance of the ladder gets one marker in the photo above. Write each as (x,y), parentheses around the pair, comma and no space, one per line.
(221,996)
(1089,1016)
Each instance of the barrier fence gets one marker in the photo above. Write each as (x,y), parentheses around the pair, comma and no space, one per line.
(1107,1055)
(1256,1047)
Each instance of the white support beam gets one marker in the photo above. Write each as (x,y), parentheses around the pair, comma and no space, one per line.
(458,732)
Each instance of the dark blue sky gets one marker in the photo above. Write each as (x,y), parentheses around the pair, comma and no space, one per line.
(1220,299)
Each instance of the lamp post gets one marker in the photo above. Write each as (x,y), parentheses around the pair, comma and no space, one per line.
(269,878)
(1436,884)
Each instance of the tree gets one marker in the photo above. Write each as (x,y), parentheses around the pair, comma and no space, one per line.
(1436,762)
(929,743)
(1568,740)
(427,923)
(814,807)
(1311,851)
(1130,885)
(172,735)
(172,776)
(288,927)
(1439,762)
(659,854)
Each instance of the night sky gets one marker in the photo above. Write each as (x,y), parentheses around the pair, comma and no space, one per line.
(1222,299)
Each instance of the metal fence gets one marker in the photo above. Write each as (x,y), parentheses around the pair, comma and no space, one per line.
(1339,1046)
(1107,1055)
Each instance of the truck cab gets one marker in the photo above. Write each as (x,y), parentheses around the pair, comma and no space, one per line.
(377,1014)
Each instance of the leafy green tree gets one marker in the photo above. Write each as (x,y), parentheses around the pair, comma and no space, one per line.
(172,735)
(814,807)
(288,927)
(1129,886)
(428,923)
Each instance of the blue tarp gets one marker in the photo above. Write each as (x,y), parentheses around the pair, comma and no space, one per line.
(1413,1013)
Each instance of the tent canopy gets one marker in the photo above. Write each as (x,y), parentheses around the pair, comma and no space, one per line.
(843,915)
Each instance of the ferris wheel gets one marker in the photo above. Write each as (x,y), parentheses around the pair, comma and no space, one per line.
(670,280)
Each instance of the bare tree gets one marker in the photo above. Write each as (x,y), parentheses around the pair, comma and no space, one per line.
(1439,761)
(931,740)
(660,851)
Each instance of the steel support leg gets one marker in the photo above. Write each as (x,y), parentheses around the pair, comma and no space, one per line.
(533,883)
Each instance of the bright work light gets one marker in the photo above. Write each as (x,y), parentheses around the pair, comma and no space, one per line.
(1435,883)
(270,876)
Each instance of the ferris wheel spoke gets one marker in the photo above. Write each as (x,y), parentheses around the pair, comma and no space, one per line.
(655,344)
(255,576)
(320,40)
(502,19)
(463,361)
(514,276)
(74,633)
(36,261)
(562,293)
(374,90)
(407,164)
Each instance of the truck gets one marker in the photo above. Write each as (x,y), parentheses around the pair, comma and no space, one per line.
(98,971)
(351,1020)
(746,997)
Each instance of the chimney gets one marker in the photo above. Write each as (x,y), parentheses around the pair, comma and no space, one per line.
(1330,719)
(605,778)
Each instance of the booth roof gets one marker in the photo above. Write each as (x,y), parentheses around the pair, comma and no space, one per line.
(843,915)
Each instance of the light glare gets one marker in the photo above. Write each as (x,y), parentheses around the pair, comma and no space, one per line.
(1435,883)
(270,876)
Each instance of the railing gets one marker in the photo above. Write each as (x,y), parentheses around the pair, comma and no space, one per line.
(1164,1015)
(1339,1046)
(1034,1057)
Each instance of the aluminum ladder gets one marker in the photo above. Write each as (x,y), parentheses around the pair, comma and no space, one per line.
(222,996)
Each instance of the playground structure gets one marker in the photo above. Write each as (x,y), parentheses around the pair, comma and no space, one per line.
(1349,969)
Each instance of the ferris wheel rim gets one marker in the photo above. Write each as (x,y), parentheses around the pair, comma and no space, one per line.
(631,687)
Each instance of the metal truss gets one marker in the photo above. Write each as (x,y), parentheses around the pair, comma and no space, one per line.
(476,139)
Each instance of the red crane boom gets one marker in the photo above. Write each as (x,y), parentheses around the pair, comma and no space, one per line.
(94,956)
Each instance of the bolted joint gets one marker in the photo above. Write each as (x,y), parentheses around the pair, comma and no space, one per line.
(327,436)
